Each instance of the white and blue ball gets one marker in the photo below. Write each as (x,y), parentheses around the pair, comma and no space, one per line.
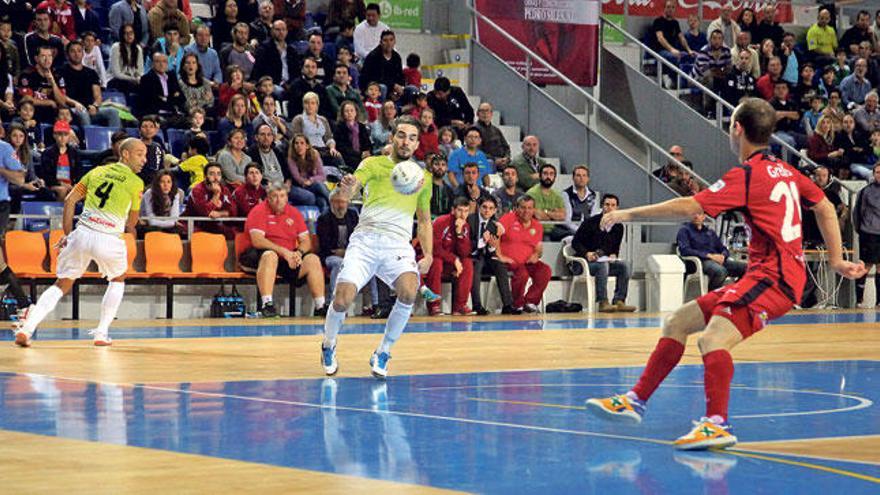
(407,177)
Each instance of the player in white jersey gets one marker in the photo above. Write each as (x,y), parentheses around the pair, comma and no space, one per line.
(112,199)
(381,245)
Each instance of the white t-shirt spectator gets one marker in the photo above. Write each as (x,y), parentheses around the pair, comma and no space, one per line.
(367,37)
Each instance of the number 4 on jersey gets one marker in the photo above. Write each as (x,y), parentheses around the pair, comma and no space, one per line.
(788,191)
(103,192)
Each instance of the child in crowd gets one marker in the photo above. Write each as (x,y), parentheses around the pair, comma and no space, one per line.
(448,140)
(841,68)
(197,152)
(93,58)
(345,38)
(11,48)
(65,115)
(412,74)
(32,128)
(196,122)
(265,86)
(811,116)
(419,103)
(373,102)
(344,56)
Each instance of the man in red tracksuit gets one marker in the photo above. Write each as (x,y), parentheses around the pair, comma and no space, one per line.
(452,251)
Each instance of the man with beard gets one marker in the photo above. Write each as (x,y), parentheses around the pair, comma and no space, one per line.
(381,245)
(211,198)
(549,204)
(528,164)
(582,202)
(507,194)
(308,82)
(271,160)
(470,188)
(334,228)
(441,192)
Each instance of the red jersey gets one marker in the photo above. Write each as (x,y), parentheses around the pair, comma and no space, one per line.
(519,242)
(283,229)
(770,194)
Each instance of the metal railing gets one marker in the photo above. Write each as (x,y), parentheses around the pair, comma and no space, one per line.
(653,150)
(721,105)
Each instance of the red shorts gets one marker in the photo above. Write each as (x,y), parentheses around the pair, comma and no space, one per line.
(749,304)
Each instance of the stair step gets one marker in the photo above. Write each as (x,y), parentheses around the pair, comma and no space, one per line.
(457,56)
(511,132)
(474,100)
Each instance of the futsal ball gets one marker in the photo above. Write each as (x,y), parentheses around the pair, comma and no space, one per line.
(407,177)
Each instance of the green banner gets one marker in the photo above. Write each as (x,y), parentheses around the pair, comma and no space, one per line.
(611,35)
(402,14)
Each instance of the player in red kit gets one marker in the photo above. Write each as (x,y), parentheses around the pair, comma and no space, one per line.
(770,193)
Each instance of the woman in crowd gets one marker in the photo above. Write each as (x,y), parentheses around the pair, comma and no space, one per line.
(163,199)
(748,22)
(307,173)
(221,26)
(236,117)
(820,146)
(352,137)
(247,195)
(855,147)
(234,84)
(17,137)
(233,159)
(195,88)
(767,51)
(381,128)
(834,110)
(317,130)
(126,62)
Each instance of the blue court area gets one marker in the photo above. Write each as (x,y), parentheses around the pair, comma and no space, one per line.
(315,326)
(502,432)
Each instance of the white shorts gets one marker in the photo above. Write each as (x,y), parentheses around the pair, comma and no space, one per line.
(369,255)
(85,245)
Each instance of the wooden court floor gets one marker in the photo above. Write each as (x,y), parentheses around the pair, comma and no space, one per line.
(37,463)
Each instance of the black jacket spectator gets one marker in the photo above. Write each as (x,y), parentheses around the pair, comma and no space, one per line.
(441,199)
(854,147)
(48,169)
(268,62)
(254,152)
(33,41)
(345,143)
(381,70)
(327,228)
(19,13)
(456,107)
(87,21)
(152,98)
(589,238)
(738,85)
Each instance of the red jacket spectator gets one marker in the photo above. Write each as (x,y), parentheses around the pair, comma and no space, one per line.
(246,197)
(412,77)
(200,203)
(522,239)
(428,143)
(452,243)
(61,13)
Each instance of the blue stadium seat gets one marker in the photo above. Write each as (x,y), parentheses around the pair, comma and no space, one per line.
(177,141)
(310,214)
(53,208)
(97,138)
(133,131)
(301,46)
(115,96)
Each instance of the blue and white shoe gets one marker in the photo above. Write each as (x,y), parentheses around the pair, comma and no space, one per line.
(429,295)
(379,364)
(328,360)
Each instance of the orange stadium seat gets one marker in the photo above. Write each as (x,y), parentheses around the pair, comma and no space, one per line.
(26,253)
(164,252)
(209,252)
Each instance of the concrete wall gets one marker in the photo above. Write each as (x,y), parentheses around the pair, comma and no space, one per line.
(664,118)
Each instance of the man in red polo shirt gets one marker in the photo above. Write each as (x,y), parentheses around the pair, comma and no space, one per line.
(521,250)
(452,255)
(279,246)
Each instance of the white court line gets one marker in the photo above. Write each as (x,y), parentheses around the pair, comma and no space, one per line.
(862,402)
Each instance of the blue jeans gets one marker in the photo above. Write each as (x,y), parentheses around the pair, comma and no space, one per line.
(861,171)
(601,271)
(313,195)
(108,117)
(718,273)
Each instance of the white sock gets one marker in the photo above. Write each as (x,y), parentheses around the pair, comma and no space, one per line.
(45,304)
(422,289)
(332,325)
(394,326)
(110,304)
(319,302)
(267,300)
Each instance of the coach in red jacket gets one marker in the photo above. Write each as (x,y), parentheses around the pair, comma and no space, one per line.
(521,249)
(452,255)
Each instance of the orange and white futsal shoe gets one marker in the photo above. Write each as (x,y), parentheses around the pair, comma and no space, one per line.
(706,434)
(617,408)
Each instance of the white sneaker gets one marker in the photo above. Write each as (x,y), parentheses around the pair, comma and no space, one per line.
(102,339)
(22,337)
(530,308)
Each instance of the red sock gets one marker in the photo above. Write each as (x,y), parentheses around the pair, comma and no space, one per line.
(665,357)
(718,373)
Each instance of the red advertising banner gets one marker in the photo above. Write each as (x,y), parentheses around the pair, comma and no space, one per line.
(711,8)
(565,33)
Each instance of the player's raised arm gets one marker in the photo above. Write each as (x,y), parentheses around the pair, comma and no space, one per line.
(826,218)
(674,209)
